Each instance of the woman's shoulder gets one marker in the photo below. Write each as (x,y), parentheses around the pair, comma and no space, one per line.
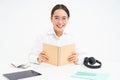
(43,34)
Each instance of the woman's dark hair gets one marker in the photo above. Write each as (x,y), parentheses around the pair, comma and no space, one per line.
(60,6)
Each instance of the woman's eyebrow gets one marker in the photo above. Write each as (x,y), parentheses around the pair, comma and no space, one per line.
(59,16)
(56,16)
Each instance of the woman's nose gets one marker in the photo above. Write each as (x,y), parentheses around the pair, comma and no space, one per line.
(60,21)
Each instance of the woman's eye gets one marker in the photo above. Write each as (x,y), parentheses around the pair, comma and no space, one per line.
(64,18)
(56,18)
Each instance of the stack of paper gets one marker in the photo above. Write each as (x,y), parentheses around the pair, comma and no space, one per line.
(90,76)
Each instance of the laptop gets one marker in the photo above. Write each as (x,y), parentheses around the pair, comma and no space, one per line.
(21,74)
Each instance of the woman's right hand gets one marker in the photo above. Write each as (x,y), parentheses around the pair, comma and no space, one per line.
(42,57)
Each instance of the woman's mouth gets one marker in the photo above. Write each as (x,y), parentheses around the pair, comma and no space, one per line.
(60,26)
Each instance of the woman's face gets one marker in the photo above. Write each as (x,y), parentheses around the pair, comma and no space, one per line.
(59,20)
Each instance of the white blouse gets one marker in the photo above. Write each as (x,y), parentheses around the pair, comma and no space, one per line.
(51,38)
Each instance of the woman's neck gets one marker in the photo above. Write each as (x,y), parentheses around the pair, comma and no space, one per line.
(58,33)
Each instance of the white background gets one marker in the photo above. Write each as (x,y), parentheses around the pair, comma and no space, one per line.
(95,22)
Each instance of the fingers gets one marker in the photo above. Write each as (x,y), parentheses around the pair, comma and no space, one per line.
(73,58)
(43,57)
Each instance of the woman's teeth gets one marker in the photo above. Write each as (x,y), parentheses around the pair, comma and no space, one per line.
(59,26)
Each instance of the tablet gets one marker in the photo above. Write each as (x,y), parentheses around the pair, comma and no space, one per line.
(21,74)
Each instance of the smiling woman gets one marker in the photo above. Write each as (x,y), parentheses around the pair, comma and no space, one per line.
(57,36)
(59,18)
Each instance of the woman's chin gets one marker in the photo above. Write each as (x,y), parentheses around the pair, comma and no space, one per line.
(61,30)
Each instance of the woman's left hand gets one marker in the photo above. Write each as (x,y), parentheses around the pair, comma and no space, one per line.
(73,58)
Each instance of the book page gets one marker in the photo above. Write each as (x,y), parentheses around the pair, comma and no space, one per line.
(52,53)
(65,52)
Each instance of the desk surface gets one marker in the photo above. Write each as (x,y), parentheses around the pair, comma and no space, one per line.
(50,72)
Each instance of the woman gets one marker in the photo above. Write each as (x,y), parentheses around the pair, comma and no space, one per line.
(57,36)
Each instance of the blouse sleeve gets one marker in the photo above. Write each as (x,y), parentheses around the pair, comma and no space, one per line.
(37,48)
(81,54)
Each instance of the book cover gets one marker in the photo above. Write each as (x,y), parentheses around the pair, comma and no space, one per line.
(58,55)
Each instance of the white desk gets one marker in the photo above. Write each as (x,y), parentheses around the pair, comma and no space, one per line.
(50,72)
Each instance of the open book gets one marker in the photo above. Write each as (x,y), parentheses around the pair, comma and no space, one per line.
(58,55)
